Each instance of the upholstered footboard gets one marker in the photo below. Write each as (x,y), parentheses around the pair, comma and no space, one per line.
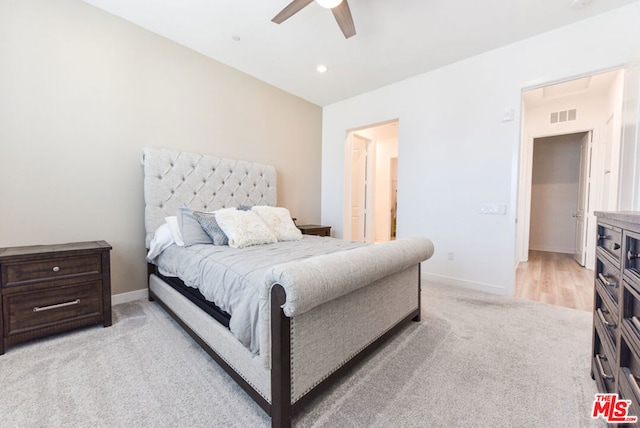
(330,309)
(327,340)
(317,318)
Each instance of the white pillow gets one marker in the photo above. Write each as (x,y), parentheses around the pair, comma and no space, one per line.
(280,222)
(172,221)
(162,239)
(244,228)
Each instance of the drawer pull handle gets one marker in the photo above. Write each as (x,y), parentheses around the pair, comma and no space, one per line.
(616,246)
(603,237)
(604,321)
(632,256)
(604,279)
(634,384)
(56,269)
(603,375)
(59,305)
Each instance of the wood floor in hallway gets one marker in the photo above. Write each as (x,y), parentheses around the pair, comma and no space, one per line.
(555,279)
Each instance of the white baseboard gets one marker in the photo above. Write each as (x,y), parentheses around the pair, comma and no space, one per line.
(130,296)
(456,282)
(551,249)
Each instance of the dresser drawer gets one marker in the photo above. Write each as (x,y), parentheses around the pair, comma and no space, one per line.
(629,357)
(610,240)
(632,257)
(602,366)
(608,277)
(41,309)
(631,317)
(607,317)
(19,273)
(629,390)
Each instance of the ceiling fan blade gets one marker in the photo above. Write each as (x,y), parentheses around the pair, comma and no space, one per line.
(342,13)
(292,8)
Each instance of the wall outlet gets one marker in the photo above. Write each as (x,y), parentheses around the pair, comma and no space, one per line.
(451,255)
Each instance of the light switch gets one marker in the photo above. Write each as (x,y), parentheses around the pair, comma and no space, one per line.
(493,209)
(508,115)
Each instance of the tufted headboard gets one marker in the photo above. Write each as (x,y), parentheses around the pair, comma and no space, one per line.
(204,183)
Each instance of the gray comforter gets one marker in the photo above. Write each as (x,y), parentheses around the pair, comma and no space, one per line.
(232,277)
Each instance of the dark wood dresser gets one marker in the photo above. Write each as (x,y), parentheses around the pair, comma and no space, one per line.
(315,229)
(615,364)
(48,289)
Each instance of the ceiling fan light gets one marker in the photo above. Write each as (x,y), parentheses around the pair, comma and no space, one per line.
(329,4)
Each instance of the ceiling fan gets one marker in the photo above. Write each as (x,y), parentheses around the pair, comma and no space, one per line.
(340,9)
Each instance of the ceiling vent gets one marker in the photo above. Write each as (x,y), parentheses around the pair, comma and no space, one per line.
(563,116)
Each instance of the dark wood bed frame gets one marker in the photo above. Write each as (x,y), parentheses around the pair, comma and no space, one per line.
(281,410)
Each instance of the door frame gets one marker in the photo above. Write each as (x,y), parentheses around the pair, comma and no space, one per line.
(348,171)
(525,157)
(524,197)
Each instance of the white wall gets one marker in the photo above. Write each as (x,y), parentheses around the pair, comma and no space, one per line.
(554,193)
(455,151)
(629,196)
(82,92)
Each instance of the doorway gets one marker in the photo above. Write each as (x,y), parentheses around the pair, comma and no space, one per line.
(559,194)
(372,172)
(570,146)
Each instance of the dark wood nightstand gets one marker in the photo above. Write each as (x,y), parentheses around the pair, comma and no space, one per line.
(48,289)
(315,229)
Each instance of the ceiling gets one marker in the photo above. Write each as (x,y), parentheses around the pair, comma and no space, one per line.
(395,39)
(588,87)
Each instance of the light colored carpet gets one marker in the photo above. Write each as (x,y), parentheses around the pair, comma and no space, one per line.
(476,360)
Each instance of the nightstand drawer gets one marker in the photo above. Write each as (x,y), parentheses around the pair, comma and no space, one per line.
(41,309)
(19,273)
(315,229)
(49,289)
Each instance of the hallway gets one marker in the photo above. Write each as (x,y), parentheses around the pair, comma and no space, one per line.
(555,279)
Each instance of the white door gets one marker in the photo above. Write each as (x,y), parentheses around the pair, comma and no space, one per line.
(358,188)
(394,197)
(609,175)
(583,199)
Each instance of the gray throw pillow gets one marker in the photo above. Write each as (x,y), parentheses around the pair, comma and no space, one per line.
(210,226)
(192,232)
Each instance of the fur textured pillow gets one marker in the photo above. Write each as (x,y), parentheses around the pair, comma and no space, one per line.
(244,228)
(279,221)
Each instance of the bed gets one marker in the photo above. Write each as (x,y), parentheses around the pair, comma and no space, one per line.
(316,314)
